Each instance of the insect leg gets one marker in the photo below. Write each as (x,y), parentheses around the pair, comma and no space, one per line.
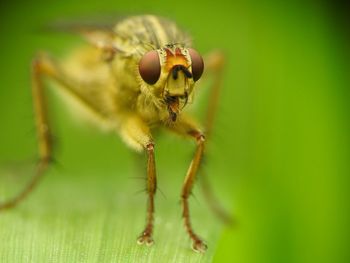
(198,244)
(186,126)
(137,134)
(43,133)
(146,236)
(42,66)
(214,64)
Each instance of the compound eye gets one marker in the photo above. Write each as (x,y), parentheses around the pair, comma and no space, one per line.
(197,64)
(149,67)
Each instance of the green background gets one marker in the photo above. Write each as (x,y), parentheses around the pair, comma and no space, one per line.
(278,159)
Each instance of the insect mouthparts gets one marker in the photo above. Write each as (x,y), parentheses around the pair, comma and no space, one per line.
(173,106)
(177,68)
(173,116)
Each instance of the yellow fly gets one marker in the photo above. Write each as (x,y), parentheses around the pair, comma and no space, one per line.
(131,78)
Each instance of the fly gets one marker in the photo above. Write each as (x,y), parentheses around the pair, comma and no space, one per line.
(128,77)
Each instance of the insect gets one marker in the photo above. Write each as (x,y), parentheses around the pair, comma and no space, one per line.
(131,78)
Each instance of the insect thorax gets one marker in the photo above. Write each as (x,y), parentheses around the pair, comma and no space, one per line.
(138,34)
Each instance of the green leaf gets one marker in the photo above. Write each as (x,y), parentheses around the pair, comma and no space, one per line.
(88,218)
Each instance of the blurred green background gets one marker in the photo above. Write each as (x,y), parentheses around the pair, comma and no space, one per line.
(278,159)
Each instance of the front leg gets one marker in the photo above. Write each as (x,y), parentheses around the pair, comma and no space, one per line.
(198,244)
(146,236)
(137,134)
(186,126)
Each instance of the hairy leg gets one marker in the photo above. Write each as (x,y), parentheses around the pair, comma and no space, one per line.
(137,134)
(43,66)
(214,63)
(187,127)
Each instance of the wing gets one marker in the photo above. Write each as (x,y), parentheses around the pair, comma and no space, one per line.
(99,32)
(127,34)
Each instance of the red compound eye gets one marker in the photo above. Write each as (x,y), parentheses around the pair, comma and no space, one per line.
(149,67)
(197,64)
